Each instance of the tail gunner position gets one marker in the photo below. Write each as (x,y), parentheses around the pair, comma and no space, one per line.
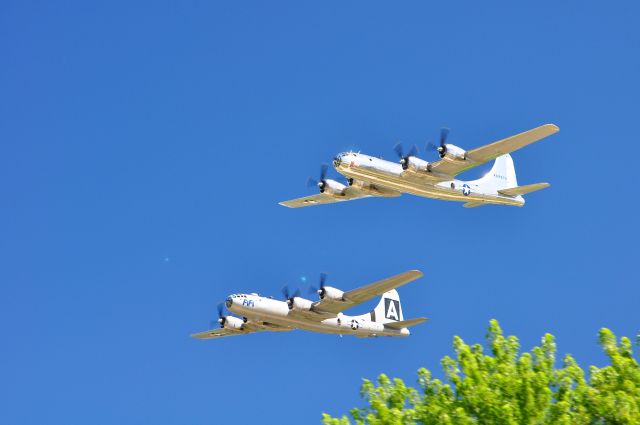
(370,176)
(325,316)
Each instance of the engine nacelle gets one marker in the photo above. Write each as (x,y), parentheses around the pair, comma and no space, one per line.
(453,151)
(331,293)
(231,322)
(370,189)
(416,164)
(332,187)
(301,304)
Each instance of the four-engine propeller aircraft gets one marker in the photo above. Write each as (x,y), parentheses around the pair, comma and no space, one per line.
(370,176)
(325,316)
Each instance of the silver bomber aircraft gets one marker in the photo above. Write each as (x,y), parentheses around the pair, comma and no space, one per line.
(369,176)
(324,316)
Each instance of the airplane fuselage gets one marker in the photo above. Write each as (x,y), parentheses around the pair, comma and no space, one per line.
(267,311)
(391,175)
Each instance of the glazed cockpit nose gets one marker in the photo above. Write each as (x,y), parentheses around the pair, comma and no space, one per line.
(337,160)
(228,302)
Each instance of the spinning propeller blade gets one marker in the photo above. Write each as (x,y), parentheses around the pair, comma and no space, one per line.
(221,318)
(320,289)
(288,295)
(285,292)
(442,147)
(444,133)
(404,159)
(323,175)
(398,148)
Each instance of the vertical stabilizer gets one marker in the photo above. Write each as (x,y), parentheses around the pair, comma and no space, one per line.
(388,309)
(501,176)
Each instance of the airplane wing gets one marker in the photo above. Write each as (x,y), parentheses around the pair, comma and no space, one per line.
(452,167)
(321,198)
(473,204)
(365,293)
(219,333)
(250,327)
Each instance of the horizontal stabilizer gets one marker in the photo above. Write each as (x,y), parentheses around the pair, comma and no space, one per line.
(523,190)
(406,323)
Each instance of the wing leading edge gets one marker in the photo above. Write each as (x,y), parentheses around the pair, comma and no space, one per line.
(322,198)
(473,158)
(248,328)
(218,333)
(365,293)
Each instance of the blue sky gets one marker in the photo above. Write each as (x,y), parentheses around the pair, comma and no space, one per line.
(144,148)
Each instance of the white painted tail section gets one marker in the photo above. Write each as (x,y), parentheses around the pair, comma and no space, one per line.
(501,176)
(388,309)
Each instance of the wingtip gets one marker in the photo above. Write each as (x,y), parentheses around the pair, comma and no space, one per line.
(416,272)
(552,127)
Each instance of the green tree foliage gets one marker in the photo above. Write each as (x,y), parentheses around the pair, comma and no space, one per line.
(506,387)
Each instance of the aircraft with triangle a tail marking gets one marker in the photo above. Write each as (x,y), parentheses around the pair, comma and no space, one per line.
(325,316)
(369,176)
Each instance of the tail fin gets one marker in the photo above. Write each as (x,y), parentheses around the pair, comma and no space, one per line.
(501,176)
(388,309)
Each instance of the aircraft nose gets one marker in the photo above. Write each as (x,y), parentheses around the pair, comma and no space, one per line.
(228,302)
(337,160)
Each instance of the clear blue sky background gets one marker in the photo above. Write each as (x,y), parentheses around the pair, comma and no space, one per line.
(144,147)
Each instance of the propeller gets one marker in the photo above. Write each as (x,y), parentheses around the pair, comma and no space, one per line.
(442,148)
(319,290)
(221,317)
(288,296)
(322,182)
(404,159)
